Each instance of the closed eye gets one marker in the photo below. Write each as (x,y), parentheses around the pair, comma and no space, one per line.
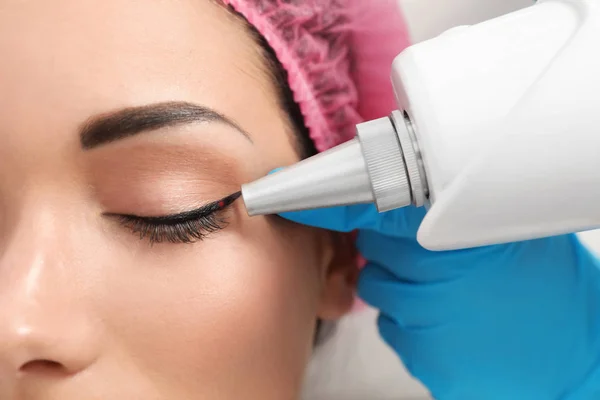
(186,227)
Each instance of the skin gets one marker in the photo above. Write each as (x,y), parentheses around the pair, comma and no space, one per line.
(87,309)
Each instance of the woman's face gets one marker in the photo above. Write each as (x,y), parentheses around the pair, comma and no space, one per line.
(113,110)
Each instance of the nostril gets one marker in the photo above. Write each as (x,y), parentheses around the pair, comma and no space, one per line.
(43,367)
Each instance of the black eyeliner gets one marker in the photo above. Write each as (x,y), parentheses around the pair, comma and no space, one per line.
(186,216)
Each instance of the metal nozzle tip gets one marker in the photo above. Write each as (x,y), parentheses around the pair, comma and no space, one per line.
(333,178)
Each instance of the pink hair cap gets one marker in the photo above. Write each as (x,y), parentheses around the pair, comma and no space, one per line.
(338,56)
(379,36)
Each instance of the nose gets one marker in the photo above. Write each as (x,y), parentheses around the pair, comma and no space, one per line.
(44,326)
(42,348)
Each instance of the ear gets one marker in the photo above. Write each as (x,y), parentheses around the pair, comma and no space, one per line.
(340,276)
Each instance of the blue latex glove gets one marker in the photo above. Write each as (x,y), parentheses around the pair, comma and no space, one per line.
(510,322)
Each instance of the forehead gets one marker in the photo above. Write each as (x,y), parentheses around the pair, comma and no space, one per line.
(86,56)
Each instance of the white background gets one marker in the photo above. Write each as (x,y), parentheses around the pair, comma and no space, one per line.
(355,364)
(429,18)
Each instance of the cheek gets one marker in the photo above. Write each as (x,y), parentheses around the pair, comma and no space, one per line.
(239,305)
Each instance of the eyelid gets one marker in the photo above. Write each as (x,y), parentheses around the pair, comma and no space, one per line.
(186,227)
(201,212)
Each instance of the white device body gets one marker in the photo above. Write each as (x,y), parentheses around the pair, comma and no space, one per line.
(507,118)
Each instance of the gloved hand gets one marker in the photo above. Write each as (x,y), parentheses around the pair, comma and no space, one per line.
(508,322)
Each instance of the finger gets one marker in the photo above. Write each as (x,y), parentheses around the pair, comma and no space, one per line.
(333,218)
(341,219)
(408,261)
(402,223)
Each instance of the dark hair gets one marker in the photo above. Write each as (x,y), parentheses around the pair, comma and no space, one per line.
(305,145)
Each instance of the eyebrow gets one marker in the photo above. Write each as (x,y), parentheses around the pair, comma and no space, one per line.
(110,127)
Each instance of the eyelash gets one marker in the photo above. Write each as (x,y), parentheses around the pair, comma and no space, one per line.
(187,227)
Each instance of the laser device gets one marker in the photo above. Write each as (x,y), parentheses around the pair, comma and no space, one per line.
(497,133)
